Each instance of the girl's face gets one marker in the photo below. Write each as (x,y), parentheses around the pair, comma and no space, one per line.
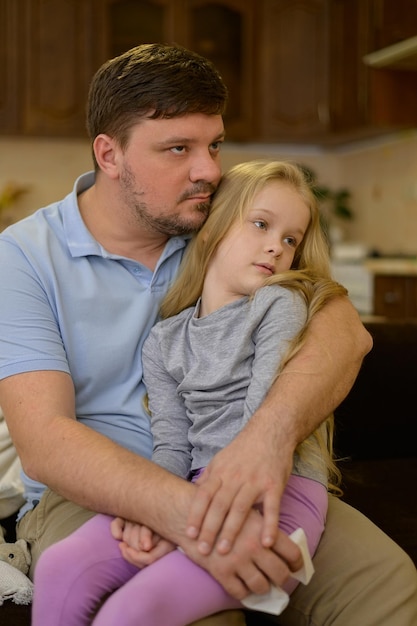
(262,245)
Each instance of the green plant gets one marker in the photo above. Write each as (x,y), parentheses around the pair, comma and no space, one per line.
(10,193)
(332,202)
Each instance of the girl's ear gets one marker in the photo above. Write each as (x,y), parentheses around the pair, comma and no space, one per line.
(106,150)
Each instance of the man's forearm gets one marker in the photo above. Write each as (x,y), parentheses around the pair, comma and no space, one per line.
(77,462)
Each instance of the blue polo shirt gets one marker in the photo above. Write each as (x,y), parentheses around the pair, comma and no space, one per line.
(68,305)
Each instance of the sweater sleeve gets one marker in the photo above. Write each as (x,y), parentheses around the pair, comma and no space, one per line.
(169,421)
(282,314)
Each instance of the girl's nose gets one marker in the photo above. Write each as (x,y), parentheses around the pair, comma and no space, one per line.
(275,248)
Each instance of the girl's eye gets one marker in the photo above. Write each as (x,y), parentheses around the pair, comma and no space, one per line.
(291,241)
(260,224)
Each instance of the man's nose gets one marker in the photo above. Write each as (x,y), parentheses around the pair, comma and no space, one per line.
(206,168)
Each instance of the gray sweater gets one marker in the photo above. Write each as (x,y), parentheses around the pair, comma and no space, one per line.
(206,376)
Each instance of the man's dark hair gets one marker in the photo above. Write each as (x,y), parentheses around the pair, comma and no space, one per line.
(152,81)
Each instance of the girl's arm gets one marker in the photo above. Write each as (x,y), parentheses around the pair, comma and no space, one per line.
(310,387)
(169,421)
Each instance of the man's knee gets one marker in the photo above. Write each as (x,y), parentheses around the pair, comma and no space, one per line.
(361,577)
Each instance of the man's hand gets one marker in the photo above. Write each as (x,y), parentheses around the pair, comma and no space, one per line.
(249,567)
(249,471)
(139,544)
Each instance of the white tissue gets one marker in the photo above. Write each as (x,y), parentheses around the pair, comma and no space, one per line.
(276,599)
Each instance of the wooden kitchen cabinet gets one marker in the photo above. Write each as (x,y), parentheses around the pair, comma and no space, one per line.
(393,21)
(312,82)
(392,93)
(395,296)
(51,49)
(48,58)
(222,31)
(293,68)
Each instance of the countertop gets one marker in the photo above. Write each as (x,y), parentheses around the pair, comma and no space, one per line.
(391,266)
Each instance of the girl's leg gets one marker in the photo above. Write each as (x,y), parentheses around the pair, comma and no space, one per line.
(73,575)
(173,591)
(304,504)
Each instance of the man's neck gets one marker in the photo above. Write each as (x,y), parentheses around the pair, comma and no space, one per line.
(113,230)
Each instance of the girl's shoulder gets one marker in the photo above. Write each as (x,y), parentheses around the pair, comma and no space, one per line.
(279,306)
(277,295)
(170,324)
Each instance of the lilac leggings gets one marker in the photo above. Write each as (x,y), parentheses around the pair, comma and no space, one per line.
(73,576)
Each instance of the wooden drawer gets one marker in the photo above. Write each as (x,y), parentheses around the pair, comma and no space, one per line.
(395,296)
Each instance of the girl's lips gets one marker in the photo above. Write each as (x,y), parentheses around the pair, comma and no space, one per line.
(265,268)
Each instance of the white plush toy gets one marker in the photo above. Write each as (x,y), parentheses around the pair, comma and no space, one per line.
(14,565)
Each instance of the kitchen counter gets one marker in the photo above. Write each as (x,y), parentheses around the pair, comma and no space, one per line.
(392,266)
(383,286)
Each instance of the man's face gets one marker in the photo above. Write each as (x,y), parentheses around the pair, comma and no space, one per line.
(169,171)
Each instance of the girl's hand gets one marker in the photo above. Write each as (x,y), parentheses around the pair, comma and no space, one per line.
(139,545)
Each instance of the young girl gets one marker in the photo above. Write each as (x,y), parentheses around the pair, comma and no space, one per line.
(250,281)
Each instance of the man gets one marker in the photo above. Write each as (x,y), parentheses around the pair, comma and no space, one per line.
(80,286)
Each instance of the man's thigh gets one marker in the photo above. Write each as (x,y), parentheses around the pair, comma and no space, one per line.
(362,577)
(53,519)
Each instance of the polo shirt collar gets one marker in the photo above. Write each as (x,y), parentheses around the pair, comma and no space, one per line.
(80,240)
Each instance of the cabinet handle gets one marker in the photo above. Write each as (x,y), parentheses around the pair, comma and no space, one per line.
(323,113)
(390,297)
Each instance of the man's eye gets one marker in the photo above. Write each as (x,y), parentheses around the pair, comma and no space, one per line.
(215,146)
(260,224)
(178,149)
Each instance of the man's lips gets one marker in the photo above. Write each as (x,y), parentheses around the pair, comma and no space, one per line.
(200,198)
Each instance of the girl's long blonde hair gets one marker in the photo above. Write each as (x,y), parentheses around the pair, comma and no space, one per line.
(310,272)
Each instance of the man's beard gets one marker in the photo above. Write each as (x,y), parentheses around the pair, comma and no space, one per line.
(168,225)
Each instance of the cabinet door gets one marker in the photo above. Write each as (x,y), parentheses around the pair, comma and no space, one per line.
(293,70)
(48,56)
(129,23)
(59,62)
(349,40)
(11,65)
(224,33)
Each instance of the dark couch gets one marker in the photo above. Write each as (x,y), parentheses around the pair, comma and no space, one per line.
(375,432)
(374,437)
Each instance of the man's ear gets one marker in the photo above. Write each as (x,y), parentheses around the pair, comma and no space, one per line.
(105,150)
